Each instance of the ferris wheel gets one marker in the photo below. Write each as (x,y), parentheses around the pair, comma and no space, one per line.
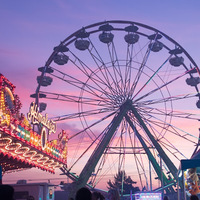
(128,96)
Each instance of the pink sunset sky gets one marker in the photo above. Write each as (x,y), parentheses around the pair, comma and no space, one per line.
(31,29)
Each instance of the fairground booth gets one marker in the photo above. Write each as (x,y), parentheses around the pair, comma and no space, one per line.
(189,177)
(24,141)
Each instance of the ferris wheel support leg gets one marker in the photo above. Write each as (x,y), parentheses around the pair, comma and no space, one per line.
(161,152)
(148,152)
(96,155)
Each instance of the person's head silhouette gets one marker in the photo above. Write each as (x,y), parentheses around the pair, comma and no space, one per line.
(83,194)
(6,192)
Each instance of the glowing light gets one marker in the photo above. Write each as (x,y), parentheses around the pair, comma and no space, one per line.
(49,162)
(29,154)
(36,157)
(13,146)
(22,150)
(28,146)
(5,141)
(35,117)
(43,160)
(56,165)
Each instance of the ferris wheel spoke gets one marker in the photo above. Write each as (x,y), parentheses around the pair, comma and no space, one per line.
(101,66)
(129,71)
(86,150)
(79,84)
(157,124)
(116,68)
(81,114)
(172,149)
(93,140)
(139,162)
(111,165)
(87,72)
(141,131)
(139,165)
(77,99)
(103,134)
(130,58)
(95,123)
(140,71)
(150,111)
(167,99)
(162,86)
(152,77)
(92,75)
(168,144)
(170,128)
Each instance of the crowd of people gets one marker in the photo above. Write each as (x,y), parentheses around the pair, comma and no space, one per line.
(7,193)
(85,194)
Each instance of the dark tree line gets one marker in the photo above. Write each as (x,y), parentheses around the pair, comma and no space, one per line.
(127,185)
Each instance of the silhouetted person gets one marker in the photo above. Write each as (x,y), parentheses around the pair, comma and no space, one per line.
(30,198)
(194,197)
(83,194)
(6,192)
(113,194)
(97,196)
(165,198)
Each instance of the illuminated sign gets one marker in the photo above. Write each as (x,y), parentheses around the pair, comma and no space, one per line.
(148,196)
(4,114)
(38,141)
(20,145)
(36,118)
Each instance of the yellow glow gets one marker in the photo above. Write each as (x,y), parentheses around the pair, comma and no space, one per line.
(29,154)
(13,146)
(44,159)
(37,157)
(3,141)
(21,150)
(49,162)
(4,114)
(10,93)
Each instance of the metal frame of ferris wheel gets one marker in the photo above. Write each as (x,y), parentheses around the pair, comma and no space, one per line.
(86,173)
(122,114)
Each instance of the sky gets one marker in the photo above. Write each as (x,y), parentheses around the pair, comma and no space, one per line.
(31,29)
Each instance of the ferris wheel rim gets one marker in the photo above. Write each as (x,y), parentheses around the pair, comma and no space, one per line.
(66,42)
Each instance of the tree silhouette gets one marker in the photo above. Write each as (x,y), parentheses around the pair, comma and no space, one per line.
(127,185)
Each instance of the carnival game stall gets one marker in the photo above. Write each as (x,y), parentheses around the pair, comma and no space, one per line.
(24,142)
(189,177)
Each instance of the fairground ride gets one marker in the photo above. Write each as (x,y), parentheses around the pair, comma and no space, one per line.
(128,96)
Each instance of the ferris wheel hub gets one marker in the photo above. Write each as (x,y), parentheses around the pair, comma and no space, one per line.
(128,69)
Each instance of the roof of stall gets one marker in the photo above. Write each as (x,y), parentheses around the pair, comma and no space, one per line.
(191,163)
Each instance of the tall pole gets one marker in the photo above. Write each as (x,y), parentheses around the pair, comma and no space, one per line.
(122,189)
(150,178)
(161,171)
(0,175)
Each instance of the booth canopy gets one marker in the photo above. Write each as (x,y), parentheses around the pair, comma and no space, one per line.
(191,163)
